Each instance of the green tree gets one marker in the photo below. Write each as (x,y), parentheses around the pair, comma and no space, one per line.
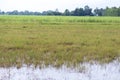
(81,12)
(87,11)
(66,12)
(111,11)
(77,12)
(119,11)
(99,12)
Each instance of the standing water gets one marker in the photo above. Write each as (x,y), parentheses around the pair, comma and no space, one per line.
(110,71)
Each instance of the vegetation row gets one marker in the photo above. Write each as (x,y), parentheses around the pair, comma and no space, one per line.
(86,11)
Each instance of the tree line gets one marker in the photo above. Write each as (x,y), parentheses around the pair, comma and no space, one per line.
(86,11)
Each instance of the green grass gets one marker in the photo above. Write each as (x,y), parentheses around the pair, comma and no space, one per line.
(57,40)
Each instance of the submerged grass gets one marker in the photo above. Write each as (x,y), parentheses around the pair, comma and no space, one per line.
(57,40)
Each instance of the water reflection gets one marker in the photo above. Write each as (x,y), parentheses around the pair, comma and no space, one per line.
(94,71)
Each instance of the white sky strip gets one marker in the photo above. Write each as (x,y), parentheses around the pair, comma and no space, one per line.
(43,5)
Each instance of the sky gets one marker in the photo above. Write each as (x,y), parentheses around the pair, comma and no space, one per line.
(61,5)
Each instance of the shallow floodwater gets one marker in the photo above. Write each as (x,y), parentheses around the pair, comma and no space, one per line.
(94,71)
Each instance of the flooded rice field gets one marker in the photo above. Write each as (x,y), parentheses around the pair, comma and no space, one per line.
(87,71)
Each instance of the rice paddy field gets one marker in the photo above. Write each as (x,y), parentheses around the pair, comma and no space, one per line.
(58,40)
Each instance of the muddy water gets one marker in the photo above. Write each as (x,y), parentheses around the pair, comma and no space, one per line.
(94,71)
